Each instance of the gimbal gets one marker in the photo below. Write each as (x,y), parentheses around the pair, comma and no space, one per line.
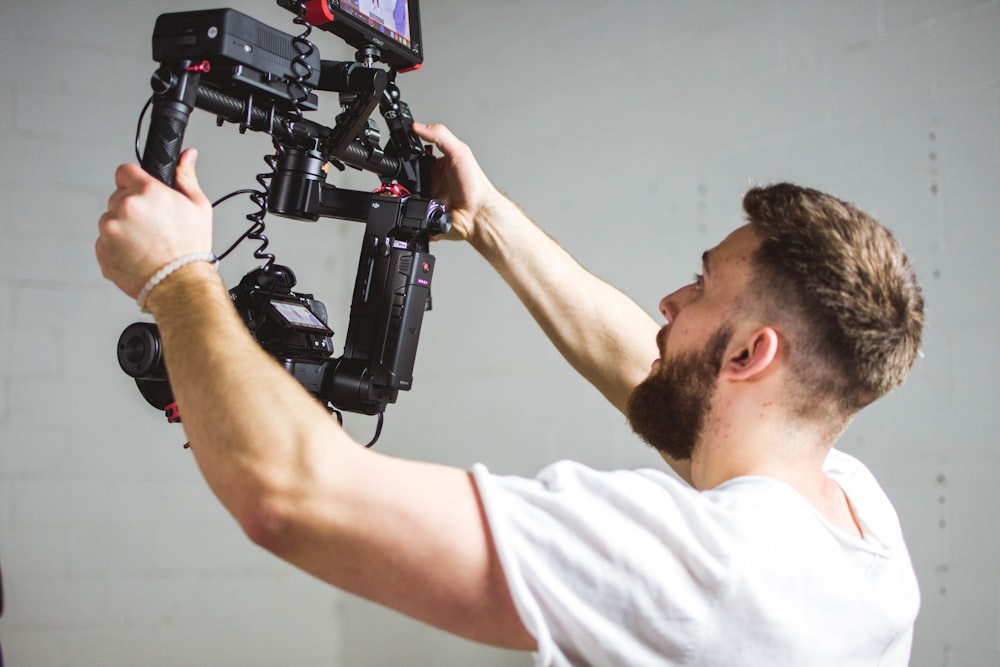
(263,80)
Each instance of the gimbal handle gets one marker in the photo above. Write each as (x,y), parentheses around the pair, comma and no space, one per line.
(175,91)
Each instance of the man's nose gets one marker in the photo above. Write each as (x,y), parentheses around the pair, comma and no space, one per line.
(673,303)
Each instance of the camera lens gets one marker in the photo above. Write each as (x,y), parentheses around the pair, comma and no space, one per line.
(140,352)
(135,349)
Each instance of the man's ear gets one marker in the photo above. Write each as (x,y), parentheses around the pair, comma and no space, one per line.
(753,355)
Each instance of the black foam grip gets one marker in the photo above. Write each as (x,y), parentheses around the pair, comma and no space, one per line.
(165,139)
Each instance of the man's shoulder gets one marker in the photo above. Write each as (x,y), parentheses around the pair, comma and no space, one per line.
(869,501)
(572,478)
(853,476)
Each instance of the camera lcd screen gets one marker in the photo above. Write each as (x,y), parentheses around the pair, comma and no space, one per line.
(392,25)
(299,316)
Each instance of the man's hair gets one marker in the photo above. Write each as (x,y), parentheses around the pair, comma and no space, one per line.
(842,293)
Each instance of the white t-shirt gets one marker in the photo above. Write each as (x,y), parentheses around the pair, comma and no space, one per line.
(638,568)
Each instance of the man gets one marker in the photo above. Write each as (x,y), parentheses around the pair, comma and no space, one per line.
(766,546)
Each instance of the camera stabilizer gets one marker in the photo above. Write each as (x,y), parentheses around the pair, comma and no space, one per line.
(262,79)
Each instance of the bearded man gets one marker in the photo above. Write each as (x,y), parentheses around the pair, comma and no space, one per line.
(761,545)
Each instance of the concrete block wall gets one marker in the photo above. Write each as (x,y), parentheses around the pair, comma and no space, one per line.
(629,130)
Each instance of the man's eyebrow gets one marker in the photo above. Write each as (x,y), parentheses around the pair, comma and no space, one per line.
(706,262)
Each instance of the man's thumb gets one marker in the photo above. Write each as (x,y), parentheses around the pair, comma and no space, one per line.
(185,179)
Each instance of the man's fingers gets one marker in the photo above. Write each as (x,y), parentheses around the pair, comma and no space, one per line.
(128,174)
(439,135)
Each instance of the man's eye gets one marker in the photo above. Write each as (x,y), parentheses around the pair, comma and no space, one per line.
(698,280)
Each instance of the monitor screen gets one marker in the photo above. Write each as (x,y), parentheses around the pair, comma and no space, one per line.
(389,17)
(393,26)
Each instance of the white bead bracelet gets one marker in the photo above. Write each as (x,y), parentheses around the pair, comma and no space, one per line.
(162,274)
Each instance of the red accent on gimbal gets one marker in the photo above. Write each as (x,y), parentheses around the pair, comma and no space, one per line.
(392,190)
(173,413)
(204,67)
(317,13)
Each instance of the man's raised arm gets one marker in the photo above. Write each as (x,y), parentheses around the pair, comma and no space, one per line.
(603,333)
(411,536)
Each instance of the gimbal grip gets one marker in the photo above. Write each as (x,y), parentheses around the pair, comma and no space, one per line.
(165,139)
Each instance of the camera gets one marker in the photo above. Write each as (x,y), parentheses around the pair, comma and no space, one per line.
(290,326)
(265,80)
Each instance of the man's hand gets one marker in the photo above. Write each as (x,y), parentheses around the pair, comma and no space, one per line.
(148,224)
(459,182)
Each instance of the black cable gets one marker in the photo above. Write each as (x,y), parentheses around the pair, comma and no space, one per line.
(300,65)
(256,231)
(242,236)
(378,429)
(138,127)
(298,91)
(378,426)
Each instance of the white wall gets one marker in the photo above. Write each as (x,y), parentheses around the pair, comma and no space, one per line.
(629,130)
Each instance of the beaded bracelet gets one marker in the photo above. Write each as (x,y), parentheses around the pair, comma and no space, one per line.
(162,274)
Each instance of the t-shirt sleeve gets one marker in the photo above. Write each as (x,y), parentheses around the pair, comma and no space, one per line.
(605,567)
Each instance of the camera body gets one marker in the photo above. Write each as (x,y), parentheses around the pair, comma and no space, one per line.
(291,326)
(262,79)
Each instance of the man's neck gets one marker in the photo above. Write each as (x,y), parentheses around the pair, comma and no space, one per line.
(796,462)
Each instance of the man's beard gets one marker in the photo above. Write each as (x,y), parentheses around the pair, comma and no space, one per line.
(668,408)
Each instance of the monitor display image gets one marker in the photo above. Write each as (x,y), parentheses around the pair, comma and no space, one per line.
(393,26)
(389,17)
